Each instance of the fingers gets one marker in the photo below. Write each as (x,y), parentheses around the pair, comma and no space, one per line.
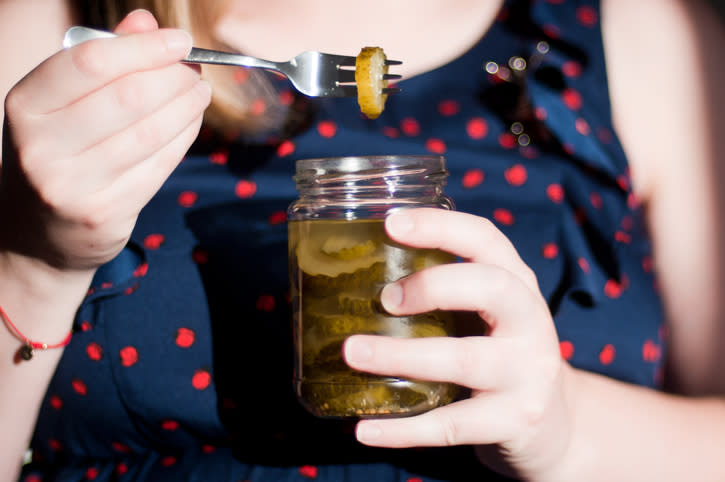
(449,425)
(493,292)
(144,148)
(82,69)
(137,21)
(128,99)
(475,362)
(468,236)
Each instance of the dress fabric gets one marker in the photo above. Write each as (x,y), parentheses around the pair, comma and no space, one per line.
(181,364)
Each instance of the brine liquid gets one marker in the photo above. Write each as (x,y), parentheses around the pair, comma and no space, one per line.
(338,269)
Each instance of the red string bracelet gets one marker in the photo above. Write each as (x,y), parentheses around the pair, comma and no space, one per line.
(26,351)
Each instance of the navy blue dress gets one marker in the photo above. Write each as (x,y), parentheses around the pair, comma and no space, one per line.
(181,364)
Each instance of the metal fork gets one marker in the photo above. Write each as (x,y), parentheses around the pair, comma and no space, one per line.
(315,74)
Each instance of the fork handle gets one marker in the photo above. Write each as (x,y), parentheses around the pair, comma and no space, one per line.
(78,34)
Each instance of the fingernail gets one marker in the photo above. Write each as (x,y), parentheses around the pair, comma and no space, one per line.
(178,40)
(399,223)
(357,351)
(137,11)
(391,296)
(367,432)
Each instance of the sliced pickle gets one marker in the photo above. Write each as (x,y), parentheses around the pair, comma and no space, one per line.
(370,69)
(337,255)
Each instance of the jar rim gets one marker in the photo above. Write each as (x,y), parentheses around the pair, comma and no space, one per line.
(355,164)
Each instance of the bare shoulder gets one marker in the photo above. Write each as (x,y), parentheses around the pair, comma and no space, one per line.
(662,60)
(667,78)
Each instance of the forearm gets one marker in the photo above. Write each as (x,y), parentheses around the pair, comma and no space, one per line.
(625,432)
(42,303)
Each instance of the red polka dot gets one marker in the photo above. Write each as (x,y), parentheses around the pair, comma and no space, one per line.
(308,471)
(129,356)
(541,113)
(410,127)
(449,108)
(584,265)
(56,402)
(503,216)
(605,135)
(187,199)
(550,250)
(55,445)
(201,379)
(567,349)
(130,289)
(612,289)
(507,140)
(185,337)
(245,189)
(596,199)
(121,468)
(94,351)
(414,479)
(622,237)
(571,68)
(633,201)
(265,303)
(120,447)
(516,175)
(200,256)
(582,127)
(555,192)
(648,264)
(92,473)
(32,478)
(391,132)
(154,241)
(258,107)
(240,75)
(277,217)
(168,461)
(285,148)
(623,182)
(651,352)
(170,425)
(219,157)
(286,97)
(79,386)
(106,285)
(572,99)
(607,355)
(327,129)
(587,16)
(477,128)
(473,178)
(141,270)
(569,148)
(208,449)
(552,31)
(436,146)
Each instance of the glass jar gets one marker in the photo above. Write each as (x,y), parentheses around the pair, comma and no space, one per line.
(340,259)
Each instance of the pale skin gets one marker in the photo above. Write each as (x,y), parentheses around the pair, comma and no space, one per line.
(552,422)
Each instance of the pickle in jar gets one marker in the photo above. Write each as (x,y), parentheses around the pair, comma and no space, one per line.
(338,269)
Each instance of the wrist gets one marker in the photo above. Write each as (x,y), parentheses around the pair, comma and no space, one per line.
(39,300)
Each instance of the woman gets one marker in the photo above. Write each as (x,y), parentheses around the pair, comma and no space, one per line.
(575,180)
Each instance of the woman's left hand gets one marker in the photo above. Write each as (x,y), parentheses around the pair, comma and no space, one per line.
(518,413)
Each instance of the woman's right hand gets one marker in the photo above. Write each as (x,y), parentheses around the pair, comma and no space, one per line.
(90,135)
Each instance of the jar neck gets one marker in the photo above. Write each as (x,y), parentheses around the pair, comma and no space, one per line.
(372,179)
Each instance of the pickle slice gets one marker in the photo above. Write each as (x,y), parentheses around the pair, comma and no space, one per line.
(335,255)
(369,71)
